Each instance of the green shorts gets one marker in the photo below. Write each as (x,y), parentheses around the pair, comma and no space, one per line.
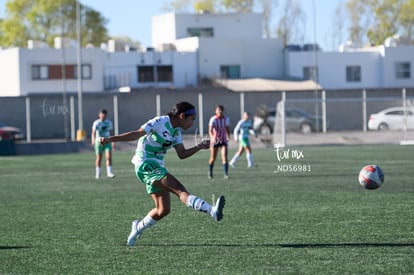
(99,148)
(244,142)
(148,172)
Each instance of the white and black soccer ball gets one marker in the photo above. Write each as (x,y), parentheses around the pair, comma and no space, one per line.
(371,177)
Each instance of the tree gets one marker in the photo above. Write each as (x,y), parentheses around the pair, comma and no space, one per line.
(176,6)
(288,27)
(386,15)
(338,25)
(128,41)
(407,20)
(357,12)
(94,30)
(238,5)
(267,10)
(205,6)
(376,20)
(44,20)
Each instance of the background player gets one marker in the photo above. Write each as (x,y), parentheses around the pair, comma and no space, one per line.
(102,127)
(241,135)
(218,128)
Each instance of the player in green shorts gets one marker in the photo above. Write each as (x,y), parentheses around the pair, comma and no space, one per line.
(155,137)
(102,127)
(241,135)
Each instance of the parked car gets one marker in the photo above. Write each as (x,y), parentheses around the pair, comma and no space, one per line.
(391,119)
(295,119)
(10,132)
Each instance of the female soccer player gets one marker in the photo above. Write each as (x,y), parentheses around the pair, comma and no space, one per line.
(218,128)
(241,135)
(155,137)
(102,127)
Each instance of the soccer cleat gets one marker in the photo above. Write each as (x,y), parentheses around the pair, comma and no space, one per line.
(232,165)
(133,236)
(110,175)
(217,211)
(226,177)
(97,176)
(209,175)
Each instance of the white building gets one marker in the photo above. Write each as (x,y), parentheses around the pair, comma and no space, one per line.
(377,67)
(192,47)
(34,71)
(228,45)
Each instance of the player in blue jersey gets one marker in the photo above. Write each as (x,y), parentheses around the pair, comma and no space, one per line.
(241,135)
(155,137)
(102,127)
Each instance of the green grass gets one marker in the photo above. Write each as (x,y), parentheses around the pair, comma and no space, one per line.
(55,218)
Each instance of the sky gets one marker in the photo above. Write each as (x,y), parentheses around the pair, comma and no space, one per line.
(133,18)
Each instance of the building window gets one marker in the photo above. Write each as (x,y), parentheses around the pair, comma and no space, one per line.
(230,71)
(40,72)
(86,71)
(56,72)
(146,74)
(403,70)
(165,73)
(310,73)
(200,32)
(155,74)
(353,73)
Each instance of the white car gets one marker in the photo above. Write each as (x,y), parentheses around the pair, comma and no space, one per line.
(391,119)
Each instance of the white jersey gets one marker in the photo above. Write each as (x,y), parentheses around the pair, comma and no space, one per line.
(102,128)
(160,136)
(243,129)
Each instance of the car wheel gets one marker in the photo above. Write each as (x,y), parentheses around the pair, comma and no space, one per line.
(305,128)
(383,127)
(265,130)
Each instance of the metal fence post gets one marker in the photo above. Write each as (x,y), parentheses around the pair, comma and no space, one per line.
(28,121)
(241,104)
(116,120)
(364,110)
(200,115)
(323,111)
(158,104)
(72,118)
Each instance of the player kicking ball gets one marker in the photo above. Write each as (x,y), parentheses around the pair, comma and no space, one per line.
(155,137)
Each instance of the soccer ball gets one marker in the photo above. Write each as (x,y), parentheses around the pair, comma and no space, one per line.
(371,177)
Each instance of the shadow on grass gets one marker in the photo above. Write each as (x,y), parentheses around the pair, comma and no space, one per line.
(6,247)
(322,245)
(329,245)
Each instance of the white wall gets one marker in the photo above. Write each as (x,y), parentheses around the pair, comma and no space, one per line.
(29,57)
(9,72)
(185,69)
(169,27)
(332,68)
(395,55)
(257,58)
(121,68)
(163,29)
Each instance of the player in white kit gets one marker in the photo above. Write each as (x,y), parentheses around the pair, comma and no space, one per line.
(155,137)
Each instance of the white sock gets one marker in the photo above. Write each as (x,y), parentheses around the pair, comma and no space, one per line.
(234,159)
(145,223)
(109,169)
(98,170)
(249,158)
(198,204)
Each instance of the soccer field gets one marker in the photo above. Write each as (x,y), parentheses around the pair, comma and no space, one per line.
(301,211)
